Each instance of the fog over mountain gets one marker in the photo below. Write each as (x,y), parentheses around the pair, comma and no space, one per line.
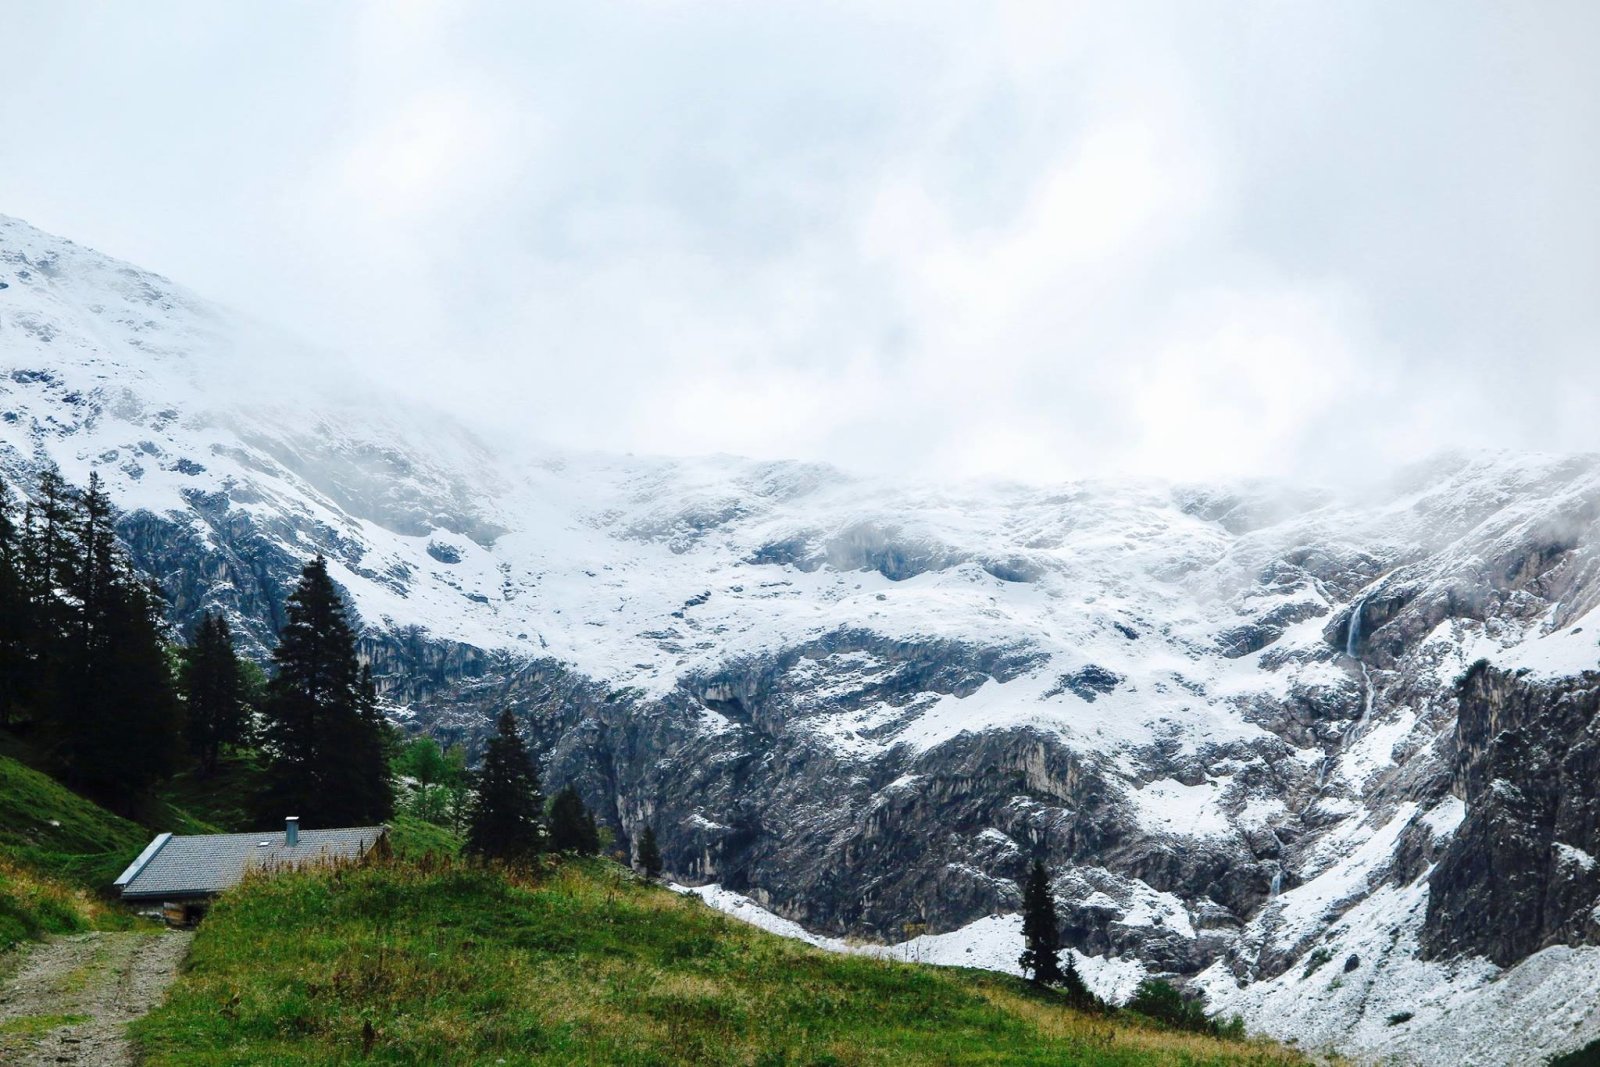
(877,447)
(1028,240)
(1326,758)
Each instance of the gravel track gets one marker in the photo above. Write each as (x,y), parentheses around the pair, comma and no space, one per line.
(69,1000)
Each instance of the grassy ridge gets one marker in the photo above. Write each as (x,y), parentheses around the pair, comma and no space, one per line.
(33,905)
(46,826)
(414,838)
(54,847)
(437,963)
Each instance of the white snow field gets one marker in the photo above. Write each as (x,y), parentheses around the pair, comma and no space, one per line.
(1129,597)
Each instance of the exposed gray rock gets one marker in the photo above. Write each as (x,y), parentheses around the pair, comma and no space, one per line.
(1521,873)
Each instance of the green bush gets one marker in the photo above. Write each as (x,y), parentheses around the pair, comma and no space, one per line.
(1159,999)
(1317,958)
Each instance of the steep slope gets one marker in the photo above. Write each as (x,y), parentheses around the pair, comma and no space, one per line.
(429,964)
(1228,715)
(56,848)
(47,827)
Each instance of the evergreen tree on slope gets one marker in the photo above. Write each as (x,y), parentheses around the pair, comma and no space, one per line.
(16,626)
(113,718)
(1042,943)
(214,683)
(321,720)
(572,826)
(649,854)
(1040,936)
(45,549)
(503,820)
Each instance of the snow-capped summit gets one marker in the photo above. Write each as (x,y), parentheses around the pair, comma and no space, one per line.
(1232,718)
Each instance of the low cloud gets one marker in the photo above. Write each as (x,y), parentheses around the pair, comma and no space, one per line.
(1037,241)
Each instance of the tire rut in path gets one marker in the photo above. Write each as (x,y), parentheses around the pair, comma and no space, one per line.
(69,1000)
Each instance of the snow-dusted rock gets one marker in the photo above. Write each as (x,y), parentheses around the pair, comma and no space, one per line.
(1229,717)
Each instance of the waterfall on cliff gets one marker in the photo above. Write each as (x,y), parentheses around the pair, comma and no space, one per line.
(1352,641)
(1277,881)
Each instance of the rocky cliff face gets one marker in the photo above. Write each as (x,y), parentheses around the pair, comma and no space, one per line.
(1520,874)
(1237,721)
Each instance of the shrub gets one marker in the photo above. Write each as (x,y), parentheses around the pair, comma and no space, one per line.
(1159,999)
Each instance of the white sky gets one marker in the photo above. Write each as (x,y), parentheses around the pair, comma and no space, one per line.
(1035,240)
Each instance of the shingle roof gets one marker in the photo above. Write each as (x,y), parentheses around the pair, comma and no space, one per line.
(209,863)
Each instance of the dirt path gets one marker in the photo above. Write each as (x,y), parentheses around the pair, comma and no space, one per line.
(69,1000)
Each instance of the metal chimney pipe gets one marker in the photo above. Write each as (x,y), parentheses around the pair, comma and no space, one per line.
(291,830)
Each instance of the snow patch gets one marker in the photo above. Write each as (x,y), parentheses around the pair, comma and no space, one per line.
(993,943)
(1168,806)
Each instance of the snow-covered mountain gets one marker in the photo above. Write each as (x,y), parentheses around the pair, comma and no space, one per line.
(1239,720)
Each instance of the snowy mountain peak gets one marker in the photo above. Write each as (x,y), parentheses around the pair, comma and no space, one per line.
(1229,716)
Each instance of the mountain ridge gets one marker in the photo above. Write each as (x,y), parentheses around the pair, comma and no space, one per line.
(865,704)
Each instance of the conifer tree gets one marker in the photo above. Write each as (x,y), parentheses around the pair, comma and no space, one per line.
(367,743)
(321,719)
(50,544)
(1076,989)
(503,818)
(140,718)
(572,826)
(45,551)
(214,683)
(1040,936)
(112,714)
(649,854)
(16,625)
(92,577)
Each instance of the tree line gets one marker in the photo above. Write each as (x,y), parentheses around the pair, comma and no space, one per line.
(1043,965)
(84,663)
(115,708)
(508,819)
(90,674)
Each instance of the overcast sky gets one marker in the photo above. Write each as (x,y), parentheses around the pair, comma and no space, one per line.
(1037,240)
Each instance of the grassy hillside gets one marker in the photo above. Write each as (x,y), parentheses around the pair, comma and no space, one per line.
(414,838)
(59,851)
(55,849)
(46,826)
(223,800)
(433,962)
(34,904)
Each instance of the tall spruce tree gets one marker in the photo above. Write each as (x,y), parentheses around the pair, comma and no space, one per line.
(51,544)
(367,744)
(46,550)
(113,718)
(142,717)
(1041,953)
(649,853)
(503,818)
(214,683)
(16,627)
(572,826)
(321,720)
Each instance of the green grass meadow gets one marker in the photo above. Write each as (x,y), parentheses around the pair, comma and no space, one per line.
(432,961)
(421,958)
